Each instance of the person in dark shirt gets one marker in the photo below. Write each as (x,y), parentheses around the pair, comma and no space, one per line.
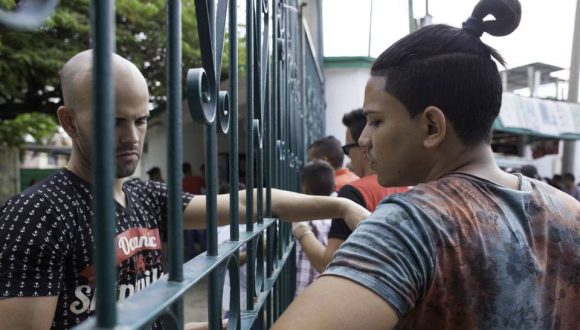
(47,276)
(155,174)
(470,246)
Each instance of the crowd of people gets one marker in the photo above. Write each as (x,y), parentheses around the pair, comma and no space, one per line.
(469,246)
(565,183)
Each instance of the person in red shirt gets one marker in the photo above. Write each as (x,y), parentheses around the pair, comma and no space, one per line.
(328,149)
(193,184)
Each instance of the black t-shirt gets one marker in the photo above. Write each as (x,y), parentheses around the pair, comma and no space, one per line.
(339,228)
(46,243)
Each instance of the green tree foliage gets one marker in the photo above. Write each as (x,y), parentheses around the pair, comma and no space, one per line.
(29,61)
(40,127)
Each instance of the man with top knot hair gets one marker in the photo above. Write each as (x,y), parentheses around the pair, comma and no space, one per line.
(470,246)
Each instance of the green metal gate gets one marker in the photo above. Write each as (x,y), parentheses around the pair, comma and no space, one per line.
(285,112)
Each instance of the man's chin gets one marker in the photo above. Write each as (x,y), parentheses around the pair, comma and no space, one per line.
(125,171)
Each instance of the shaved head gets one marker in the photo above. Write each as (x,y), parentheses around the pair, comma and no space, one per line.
(76,75)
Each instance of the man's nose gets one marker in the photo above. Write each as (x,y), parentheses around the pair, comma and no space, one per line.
(364,140)
(129,134)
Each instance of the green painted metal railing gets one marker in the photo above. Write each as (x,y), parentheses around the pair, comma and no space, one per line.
(285,112)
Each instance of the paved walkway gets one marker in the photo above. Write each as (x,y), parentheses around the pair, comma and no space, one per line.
(195,303)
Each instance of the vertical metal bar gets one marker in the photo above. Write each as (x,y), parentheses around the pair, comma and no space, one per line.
(103,142)
(258,105)
(250,150)
(319,30)
(174,141)
(268,124)
(260,44)
(174,147)
(210,132)
(277,293)
(269,312)
(268,143)
(249,113)
(276,154)
(233,138)
(214,317)
(282,130)
(211,222)
(287,106)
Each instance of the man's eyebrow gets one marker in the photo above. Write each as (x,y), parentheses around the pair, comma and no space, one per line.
(367,112)
(139,118)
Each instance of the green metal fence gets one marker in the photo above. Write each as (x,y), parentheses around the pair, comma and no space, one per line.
(285,112)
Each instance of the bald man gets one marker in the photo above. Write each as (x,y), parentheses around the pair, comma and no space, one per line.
(46,266)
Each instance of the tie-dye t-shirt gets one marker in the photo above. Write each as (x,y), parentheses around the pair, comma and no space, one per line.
(464,253)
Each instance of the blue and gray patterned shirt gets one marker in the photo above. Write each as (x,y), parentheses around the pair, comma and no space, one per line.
(464,253)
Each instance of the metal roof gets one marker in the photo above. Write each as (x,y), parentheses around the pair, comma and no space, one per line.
(518,77)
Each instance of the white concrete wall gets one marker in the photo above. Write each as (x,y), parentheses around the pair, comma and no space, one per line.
(344,92)
(310,13)
(155,153)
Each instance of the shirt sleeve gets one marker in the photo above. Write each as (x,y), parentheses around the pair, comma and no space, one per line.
(33,245)
(161,194)
(391,254)
(339,229)
(161,197)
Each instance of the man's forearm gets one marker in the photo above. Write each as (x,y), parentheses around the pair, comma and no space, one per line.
(286,205)
(293,207)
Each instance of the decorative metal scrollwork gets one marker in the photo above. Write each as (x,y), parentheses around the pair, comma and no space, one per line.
(203,84)
(259,252)
(224,111)
(199,94)
(234,273)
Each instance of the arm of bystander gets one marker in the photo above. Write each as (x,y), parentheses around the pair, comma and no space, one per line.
(286,205)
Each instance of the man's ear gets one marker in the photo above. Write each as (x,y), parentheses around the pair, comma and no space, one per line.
(434,123)
(66,117)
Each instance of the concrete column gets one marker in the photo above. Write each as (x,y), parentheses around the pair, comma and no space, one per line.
(531,81)
(569,156)
(537,82)
(504,80)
